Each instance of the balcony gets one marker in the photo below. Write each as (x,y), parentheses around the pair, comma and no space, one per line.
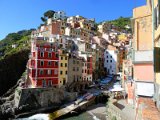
(143,56)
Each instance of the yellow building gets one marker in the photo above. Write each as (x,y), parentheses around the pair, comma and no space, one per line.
(157,50)
(122,37)
(63,68)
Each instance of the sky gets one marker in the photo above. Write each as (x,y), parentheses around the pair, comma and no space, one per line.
(16,15)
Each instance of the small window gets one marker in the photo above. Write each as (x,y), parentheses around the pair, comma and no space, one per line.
(61,64)
(49,83)
(55,72)
(42,54)
(77,62)
(49,63)
(107,61)
(61,58)
(61,72)
(88,72)
(65,58)
(73,68)
(49,72)
(65,64)
(50,55)
(77,69)
(110,60)
(41,72)
(57,56)
(56,63)
(66,72)
(44,83)
(110,56)
(41,63)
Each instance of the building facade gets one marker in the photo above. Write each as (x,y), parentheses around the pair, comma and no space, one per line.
(111,60)
(43,64)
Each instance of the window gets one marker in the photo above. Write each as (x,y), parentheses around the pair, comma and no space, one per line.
(77,69)
(107,56)
(110,60)
(88,72)
(49,72)
(49,63)
(57,55)
(49,83)
(64,81)
(55,72)
(73,68)
(41,63)
(42,54)
(43,83)
(56,63)
(107,61)
(77,62)
(82,70)
(61,64)
(85,71)
(110,56)
(61,72)
(40,72)
(65,58)
(66,72)
(61,58)
(65,64)
(49,55)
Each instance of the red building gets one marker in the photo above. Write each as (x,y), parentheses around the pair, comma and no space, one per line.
(43,64)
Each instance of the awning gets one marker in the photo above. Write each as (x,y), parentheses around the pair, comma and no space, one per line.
(144,89)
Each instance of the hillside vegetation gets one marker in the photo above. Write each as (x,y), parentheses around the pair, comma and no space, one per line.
(13,60)
(121,23)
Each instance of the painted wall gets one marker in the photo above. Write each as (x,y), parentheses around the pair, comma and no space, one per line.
(143,72)
(142,18)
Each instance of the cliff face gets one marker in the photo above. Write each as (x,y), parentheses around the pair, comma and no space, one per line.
(14,50)
(11,69)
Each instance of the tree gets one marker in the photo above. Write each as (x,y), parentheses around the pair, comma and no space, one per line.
(46,15)
(49,14)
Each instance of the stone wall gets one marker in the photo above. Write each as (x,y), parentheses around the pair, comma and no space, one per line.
(114,113)
(42,97)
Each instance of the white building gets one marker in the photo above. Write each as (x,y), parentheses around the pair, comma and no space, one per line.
(110,61)
(59,15)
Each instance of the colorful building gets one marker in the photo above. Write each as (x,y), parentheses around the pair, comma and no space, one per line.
(63,68)
(143,48)
(43,64)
